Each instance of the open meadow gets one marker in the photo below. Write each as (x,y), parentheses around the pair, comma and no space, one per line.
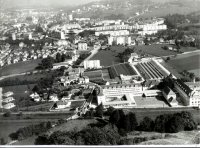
(189,62)
(109,57)
(20,67)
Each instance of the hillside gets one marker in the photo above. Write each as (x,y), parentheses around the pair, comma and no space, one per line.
(136,8)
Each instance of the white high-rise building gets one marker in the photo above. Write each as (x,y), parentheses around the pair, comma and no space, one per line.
(13,36)
(30,36)
(70,17)
(122,40)
(62,35)
(92,64)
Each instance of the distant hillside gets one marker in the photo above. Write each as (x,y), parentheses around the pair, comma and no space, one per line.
(145,8)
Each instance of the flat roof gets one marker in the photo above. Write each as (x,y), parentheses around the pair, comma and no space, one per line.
(149,102)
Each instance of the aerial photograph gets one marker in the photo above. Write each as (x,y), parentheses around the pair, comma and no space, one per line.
(99,73)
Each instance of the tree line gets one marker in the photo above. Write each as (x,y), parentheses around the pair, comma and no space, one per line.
(166,123)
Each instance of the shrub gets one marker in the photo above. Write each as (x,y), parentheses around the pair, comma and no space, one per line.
(7,114)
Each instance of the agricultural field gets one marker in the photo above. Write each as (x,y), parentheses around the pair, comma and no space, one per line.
(189,62)
(20,67)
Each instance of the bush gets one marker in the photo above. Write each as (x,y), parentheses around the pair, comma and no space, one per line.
(2,141)
(99,110)
(7,114)
(109,111)
(88,136)
(147,124)
(25,132)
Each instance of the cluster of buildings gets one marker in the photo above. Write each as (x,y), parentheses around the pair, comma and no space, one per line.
(73,98)
(121,33)
(143,92)
(6,100)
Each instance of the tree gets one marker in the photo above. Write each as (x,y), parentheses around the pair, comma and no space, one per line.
(63,57)
(160,124)
(42,140)
(109,111)
(165,48)
(147,124)
(46,63)
(35,89)
(143,95)
(2,141)
(189,123)
(7,114)
(126,123)
(115,116)
(58,57)
(99,110)
(192,76)
(175,124)
(133,121)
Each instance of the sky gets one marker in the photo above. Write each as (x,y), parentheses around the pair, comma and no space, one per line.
(12,3)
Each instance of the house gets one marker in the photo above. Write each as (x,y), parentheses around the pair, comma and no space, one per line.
(62,64)
(97,46)
(8,94)
(63,104)
(82,46)
(83,80)
(66,97)
(35,96)
(119,40)
(133,57)
(170,96)
(53,98)
(9,99)
(8,105)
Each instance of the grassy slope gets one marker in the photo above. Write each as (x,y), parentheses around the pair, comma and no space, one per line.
(189,62)
(20,67)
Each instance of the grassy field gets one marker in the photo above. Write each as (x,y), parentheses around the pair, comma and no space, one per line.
(109,57)
(8,127)
(13,123)
(19,90)
(189,62)
(157,50)
(71,125)
(25,79)
(20,67)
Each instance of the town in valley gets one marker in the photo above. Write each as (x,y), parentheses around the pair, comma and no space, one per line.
(104,72)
